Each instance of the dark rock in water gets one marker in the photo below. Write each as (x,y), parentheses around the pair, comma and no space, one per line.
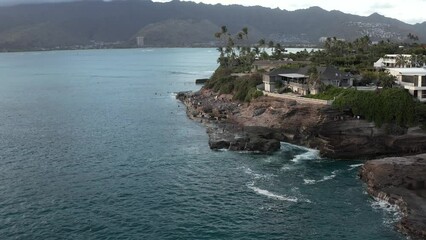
(401,181)
(201,80)
(182,96)
(262,145)
(238,140)
(350,138)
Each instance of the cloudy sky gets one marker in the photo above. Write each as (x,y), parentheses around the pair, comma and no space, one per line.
(410,11)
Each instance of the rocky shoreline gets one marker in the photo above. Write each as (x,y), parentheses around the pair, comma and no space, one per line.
(262,124)
(400,181)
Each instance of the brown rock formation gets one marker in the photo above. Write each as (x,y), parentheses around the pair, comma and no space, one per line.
(260,124)
(401,181)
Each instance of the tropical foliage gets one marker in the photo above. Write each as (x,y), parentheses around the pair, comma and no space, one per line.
(242,88)
(394,105)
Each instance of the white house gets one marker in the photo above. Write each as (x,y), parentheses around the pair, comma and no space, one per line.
(413,79)
(394,60)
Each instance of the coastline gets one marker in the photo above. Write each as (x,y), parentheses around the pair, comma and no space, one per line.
(262,124)
(268,119)
(401,182)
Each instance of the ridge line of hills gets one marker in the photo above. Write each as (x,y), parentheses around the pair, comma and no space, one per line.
(97,24)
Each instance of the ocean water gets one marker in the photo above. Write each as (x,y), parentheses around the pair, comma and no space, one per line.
(93,145)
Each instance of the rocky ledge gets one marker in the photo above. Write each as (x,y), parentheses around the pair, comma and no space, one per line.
(401,181)
(261,124)
(224,133)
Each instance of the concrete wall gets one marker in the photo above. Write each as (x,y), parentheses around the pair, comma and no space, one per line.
(298,99)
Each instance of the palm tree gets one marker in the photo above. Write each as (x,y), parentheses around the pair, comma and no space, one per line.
(278,51)
(314,81)
(261,43)
(400,61)
(245,31)
(224,29)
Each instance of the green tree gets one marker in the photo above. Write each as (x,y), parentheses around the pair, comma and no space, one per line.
(386,80)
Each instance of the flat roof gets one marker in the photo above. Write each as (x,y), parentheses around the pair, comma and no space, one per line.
(396,55)
(409,71)
(292,75)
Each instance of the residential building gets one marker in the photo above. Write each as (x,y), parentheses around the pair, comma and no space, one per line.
(413,79)
(269,65)
(297,79)
(331,76)
(393,61)
(271,79)
(298,83)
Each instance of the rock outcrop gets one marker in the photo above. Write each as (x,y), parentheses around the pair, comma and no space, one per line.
(401,181)
(352,138)
(247,139)
(262,123)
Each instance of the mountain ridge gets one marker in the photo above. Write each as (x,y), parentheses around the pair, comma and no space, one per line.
(97,23)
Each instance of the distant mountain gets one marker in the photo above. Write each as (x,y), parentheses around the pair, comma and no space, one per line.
(175,32)
(99,23)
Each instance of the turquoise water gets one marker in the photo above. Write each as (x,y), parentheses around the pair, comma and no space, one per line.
(93,145)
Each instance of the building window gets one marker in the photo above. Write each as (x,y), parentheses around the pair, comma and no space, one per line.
(408,79)
(424,94)
(423,81)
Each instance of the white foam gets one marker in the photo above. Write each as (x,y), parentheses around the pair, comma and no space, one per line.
(384,205)
(393,211)
(286,168)
(285,145)
(309,181)
(268,159)
(353,166)
(325,178)
(311,154)
(257,175)
(272,195)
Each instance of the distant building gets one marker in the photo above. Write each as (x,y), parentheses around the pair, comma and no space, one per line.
(393,61)
(324,39)
(412,79)
(140,41)
(268,65)
(297,79)
(331,76)
(270,79)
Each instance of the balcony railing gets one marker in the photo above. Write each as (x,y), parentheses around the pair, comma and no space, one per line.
(298,85)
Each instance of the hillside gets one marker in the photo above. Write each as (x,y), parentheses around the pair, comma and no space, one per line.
(98,23)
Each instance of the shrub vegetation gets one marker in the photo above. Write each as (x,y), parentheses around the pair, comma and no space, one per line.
(393,105)
(242,88)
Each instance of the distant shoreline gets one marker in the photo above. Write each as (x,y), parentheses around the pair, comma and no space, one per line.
(118,48)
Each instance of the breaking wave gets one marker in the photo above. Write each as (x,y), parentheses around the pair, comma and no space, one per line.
(257,175)
(325,178)
(309,155)
(353,166)
(392,211)
(272,195)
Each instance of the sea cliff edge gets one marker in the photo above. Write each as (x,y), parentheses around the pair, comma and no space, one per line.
(263,123)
